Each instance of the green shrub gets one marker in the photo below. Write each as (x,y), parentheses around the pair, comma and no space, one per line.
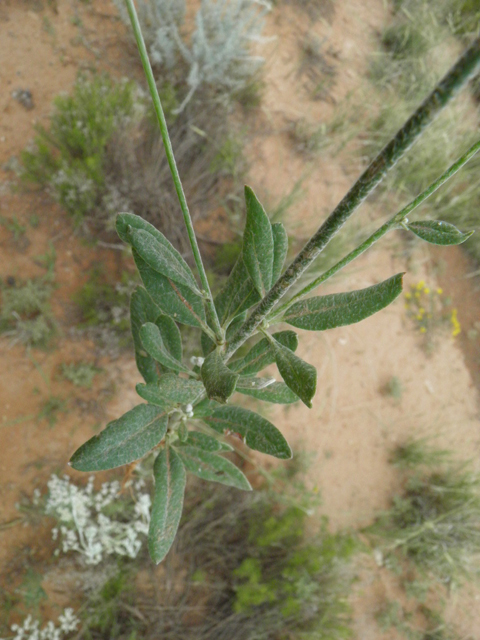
(25,312)
(70,156)
(435,521)
(80,374)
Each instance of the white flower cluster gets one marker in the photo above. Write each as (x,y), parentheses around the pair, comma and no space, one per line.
(30,629)
(85,528)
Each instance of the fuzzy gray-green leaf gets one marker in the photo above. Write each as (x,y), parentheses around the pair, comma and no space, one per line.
(170,390)
(125,221)
(339,309)
(238,294)
(262,353)
(219,381)
(154,345)
(142,310)
(258,244)
(212,467)
(257,432)
(123,441)
(277,392)
(163,259)
(280,249)
(437,232)
(205,442)
(176,300)
(170,479)
(299,375)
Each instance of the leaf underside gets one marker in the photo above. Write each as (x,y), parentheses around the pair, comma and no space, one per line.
(437,232)
(212,467)
(218,379)
(299,376)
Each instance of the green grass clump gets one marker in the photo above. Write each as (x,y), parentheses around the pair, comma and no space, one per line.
(70,156)
(435,521)
(80,374)
(26,314)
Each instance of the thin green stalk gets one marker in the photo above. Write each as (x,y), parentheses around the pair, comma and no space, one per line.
(458,75)
(173,166)
(394,223)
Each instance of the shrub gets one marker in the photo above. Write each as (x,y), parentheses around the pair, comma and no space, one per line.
(80,374)
(69,157)
(26,314)
(435,521)
(217,54)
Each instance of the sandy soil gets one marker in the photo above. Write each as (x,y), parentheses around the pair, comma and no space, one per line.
(354,423)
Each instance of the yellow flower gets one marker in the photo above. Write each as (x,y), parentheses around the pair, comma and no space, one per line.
(417,295)
(422,330)
(456,328)
(421,284)
(439,291)
(408,295)
(426,290)
(419,316)
(421,310)
(407,306)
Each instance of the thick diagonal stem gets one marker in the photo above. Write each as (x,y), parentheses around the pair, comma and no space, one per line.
(456,78)
(173,166)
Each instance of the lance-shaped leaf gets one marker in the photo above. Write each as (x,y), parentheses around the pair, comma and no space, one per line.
(205,408)
(258,244)
(238,294)
(162,258)
(205,442)
(437,232)
(212,467)
(142,310)
(257,432)
(176,300)
(155,346)
(280,249)
(219,381)
(123,441)
(170,479)
(262,353)
(300,376)
(339,309)
(125,221)
(277,392)
(171,390)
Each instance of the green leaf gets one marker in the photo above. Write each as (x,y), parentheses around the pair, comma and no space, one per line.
(257,432)
(280,249)
(170,390)
(214,468)
(126,220)
(142,310)
(300,376)
(170,479)
(437,232)
(339,309)
(171,336)
(176,300)
(205,408)
(258,244)
(123,441)
(154,345)
(205,442)
(262,353)
(238,294)
(219,381)
(163,259)
(277,392)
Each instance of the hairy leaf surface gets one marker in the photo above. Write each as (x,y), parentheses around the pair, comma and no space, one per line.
(176,300)
(257,432)
(339,309)
(262,353)
(123,441)
(437,232)
(258,244)
(280,249)
(277,392)
(170,479)
(212,467)
(218,379)
(154,345)
(300,376)
(142,310)
(205,442)
(170,390)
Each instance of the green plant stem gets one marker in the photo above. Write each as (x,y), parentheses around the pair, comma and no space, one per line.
(447,88)
(220,335)
(394,223)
